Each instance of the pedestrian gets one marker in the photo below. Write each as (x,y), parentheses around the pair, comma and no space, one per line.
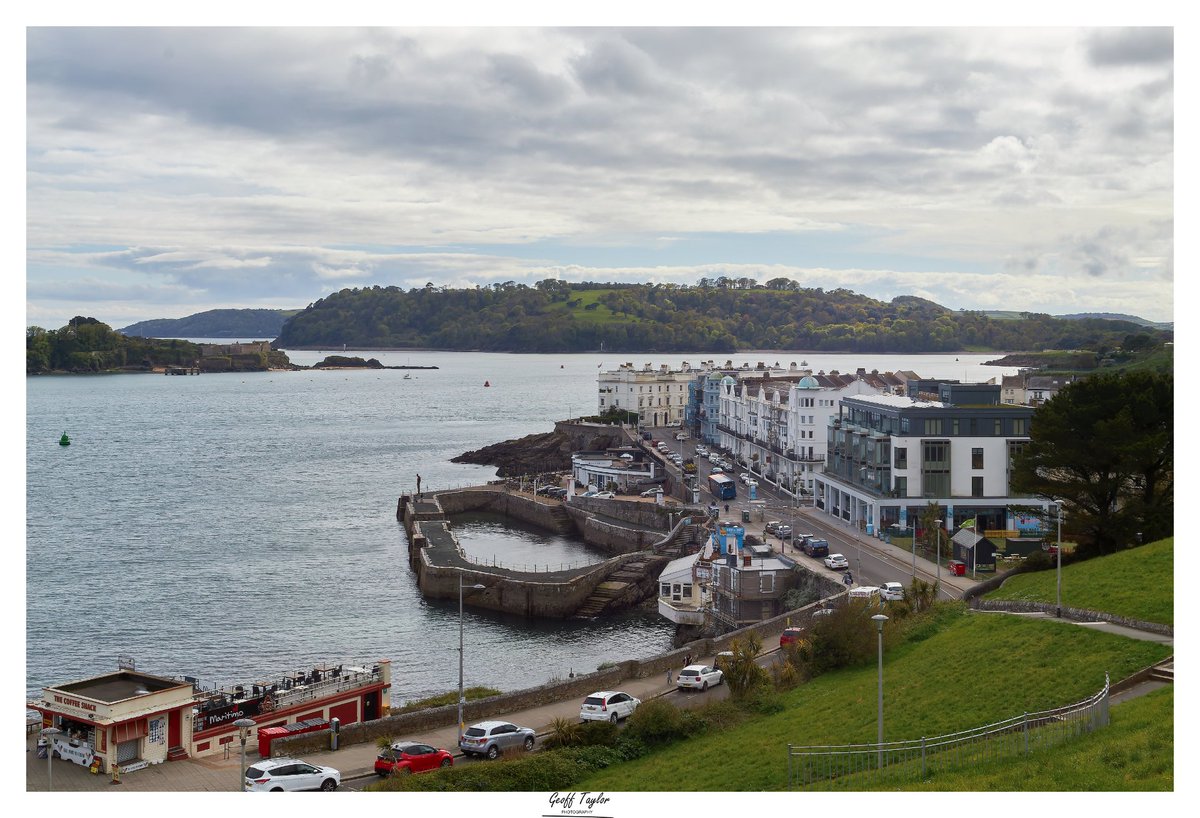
(687,660)
(668,675)
(727,508)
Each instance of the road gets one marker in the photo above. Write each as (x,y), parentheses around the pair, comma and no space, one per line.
(869,565)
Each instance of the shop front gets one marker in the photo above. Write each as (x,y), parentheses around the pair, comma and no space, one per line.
(126,718)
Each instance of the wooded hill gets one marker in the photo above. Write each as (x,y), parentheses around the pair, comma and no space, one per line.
(721,315)
(245,324)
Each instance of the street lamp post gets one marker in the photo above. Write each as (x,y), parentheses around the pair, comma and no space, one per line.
(461,694)
(1058,566)
(937,532)
(48,733)
(879,619)
(243,726)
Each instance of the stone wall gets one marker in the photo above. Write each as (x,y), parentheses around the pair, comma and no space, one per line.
(525,595)
(1075,614)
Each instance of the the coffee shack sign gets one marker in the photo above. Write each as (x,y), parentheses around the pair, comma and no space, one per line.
(66,703)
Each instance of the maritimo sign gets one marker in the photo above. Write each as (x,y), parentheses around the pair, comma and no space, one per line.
(244,709)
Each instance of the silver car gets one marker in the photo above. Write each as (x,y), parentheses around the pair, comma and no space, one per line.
(491,738)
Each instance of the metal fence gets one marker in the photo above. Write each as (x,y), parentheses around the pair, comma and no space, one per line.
(868,766)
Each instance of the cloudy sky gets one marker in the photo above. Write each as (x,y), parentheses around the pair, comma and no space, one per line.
(176,170)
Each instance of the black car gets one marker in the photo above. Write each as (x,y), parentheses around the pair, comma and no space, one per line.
(816,547)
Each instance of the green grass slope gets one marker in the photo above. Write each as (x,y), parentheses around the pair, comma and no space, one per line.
(1137,583)
(968,670)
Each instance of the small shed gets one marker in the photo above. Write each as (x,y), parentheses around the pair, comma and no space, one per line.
(979,553)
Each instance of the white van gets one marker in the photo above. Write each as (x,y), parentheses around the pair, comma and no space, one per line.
(870,593)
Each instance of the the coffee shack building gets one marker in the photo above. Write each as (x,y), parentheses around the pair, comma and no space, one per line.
(134,719)
(123,717)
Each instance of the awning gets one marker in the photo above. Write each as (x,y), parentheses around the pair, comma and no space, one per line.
(129,730)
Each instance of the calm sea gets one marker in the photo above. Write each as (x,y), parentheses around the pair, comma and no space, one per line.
(236,526)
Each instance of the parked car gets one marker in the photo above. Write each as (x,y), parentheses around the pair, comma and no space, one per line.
(816,546)
(405,757)
(699,677)
(604,495)
(491,738)
(784,532)
(790,636)
(869,593)
(681,436)
(836,561)
(608,705)
(290,775)
(892,591)
(716,470)
(702,450)
(773,526)
(721,662)
(650,492)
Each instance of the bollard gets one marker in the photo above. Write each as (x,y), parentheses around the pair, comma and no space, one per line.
(116,774)
(335,726)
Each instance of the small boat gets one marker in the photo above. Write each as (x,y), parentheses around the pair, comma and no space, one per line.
(407,376)
(65,440)
(487,383)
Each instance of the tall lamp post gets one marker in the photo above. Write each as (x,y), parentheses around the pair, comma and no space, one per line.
(243,726)
(461,694)
(937,532)
(48,733)
(1058,566)
(879,619)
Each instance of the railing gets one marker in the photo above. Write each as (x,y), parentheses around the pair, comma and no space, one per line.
(870,766)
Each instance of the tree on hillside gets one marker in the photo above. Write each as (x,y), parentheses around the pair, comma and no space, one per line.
(1104,447)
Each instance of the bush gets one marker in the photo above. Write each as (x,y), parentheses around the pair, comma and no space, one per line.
(563,733)
(598,734)
(655,722)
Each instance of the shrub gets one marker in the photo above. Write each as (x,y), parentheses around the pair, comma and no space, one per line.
(563,733)
(598,733)
(655,722)
(743,674)
(629,748)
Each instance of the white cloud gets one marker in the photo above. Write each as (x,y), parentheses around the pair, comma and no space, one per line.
(248,159)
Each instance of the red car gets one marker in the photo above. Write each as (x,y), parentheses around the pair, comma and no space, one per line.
(790,636)
(406,757)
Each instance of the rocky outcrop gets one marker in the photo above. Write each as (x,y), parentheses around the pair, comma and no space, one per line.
(546,452)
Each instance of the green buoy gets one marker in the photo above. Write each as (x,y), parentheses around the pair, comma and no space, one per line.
(64,440)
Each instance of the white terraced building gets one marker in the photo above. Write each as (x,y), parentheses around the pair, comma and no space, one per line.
(658,395)
(776,426)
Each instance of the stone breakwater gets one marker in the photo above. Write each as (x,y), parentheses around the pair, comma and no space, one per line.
(616,584)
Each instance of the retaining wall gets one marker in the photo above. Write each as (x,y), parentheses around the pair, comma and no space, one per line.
(1076,614)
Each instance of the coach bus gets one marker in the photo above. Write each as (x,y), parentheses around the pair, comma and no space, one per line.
(722,486)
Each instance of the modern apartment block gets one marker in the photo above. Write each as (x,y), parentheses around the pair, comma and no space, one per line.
(889,456)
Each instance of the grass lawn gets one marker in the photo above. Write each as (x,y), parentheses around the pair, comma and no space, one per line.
(1138,583)
(967,670)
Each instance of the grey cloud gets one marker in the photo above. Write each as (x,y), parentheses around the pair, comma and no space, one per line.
(1131,46)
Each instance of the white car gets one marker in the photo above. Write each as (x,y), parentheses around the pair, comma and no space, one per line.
(892,591)
(605,495)
(650,492)
(699,677)
(608,705)
(702,451)
(836,561)
(716,470)
(290,775)
(681,436)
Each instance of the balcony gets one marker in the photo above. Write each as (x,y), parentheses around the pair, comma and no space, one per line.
(681,613)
